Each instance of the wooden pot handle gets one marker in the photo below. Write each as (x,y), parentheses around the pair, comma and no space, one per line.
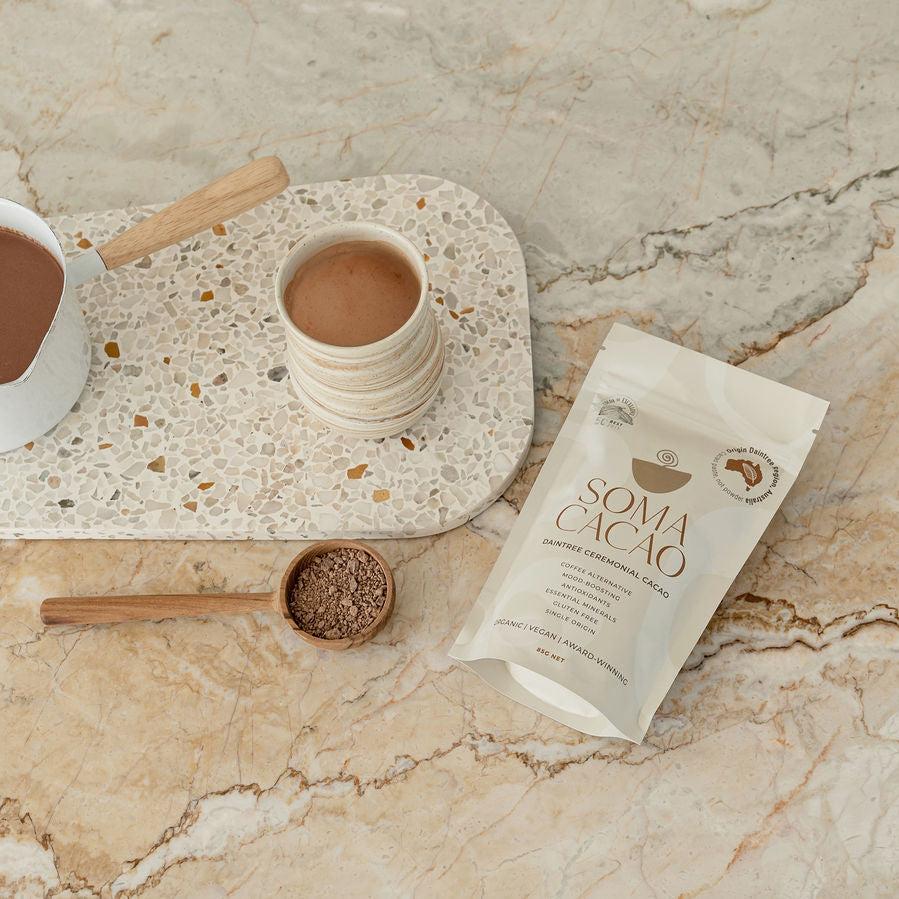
(230,195)
(152,607)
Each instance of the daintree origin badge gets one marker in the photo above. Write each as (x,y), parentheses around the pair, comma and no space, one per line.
(746,474)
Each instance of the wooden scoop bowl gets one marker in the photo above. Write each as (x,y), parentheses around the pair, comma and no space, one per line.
(153,607)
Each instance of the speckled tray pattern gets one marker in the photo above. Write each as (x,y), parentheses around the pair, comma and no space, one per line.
(189,429)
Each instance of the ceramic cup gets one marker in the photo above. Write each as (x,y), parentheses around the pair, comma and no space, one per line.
(378,389)
(49,387)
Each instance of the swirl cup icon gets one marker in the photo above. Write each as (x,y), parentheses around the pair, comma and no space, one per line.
(662,476)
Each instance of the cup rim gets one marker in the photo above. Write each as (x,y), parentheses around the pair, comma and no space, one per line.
(61,258)
(339,230)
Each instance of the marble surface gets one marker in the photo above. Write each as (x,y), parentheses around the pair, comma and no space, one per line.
(190,426)
(719,172)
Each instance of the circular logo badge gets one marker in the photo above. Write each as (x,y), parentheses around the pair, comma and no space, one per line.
(614,412)
(746,474)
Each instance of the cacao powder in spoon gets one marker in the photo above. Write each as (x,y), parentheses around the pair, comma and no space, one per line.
(338,593)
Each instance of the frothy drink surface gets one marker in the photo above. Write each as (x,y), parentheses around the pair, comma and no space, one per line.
(30,287)
(353,293)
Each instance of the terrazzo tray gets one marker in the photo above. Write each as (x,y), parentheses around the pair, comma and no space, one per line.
(189,429)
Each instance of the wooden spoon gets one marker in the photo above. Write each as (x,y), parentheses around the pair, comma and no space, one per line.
(153,607)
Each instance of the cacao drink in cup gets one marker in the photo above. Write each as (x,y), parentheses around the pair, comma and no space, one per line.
(364,349)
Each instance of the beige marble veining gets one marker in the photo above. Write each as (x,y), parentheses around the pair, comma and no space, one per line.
(719,172)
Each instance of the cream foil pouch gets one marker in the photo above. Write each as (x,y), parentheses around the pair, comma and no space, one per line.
(664,476)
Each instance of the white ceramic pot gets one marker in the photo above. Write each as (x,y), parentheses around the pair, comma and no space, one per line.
(49,387)
(40,397)
(378,389)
